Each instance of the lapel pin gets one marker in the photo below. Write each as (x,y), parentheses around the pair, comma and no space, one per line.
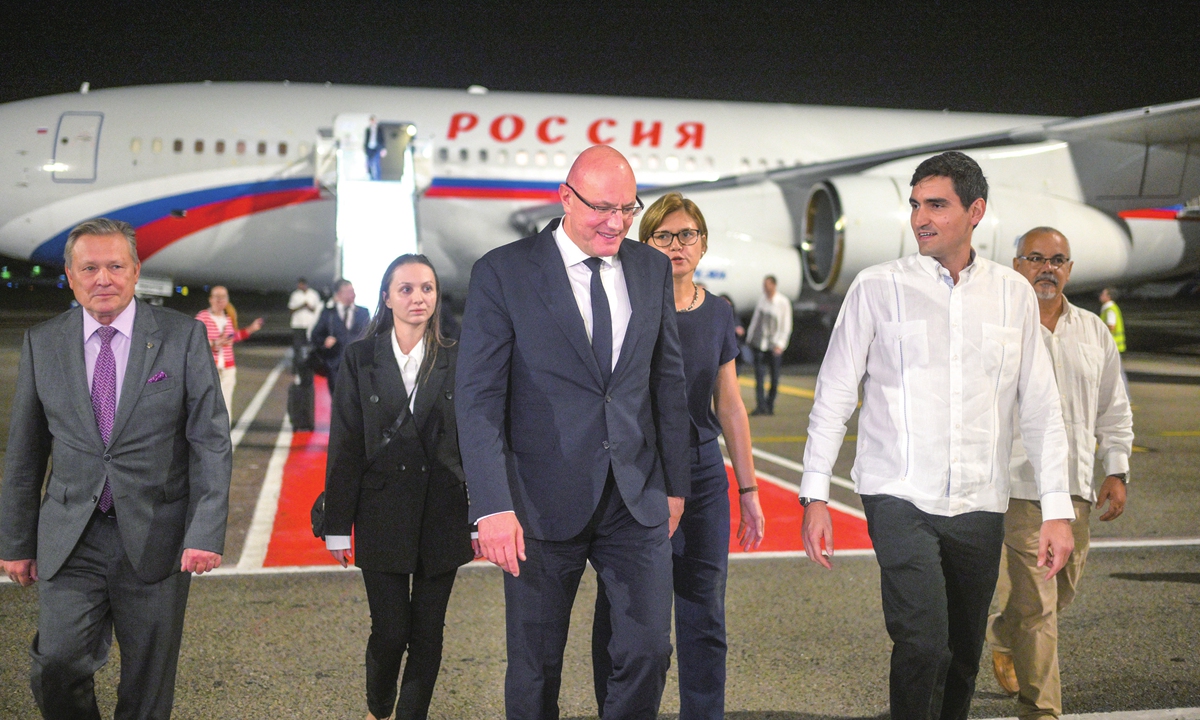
(149,345)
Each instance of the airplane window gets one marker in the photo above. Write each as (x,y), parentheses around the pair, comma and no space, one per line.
(241,147)
(540,159)
(652,162)
(178,146)
(521,158)
(135,145)
(219,147)
(635,161)
(689,164)
(199,146)
(671,163)
(763,163)
(464,155)
(560,159)
(745,164)
(443,155)
(483,156)
(282,149)
(502,156)
(262,148)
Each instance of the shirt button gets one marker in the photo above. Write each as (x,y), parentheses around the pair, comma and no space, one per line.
(605,444)
(608,398)
(953,357)
(424,468)
(403,468)
(957,426)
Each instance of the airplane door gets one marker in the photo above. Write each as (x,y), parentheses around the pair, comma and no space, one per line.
(376,219)
(76,146)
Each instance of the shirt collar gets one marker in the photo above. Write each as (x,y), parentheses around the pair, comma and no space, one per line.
(935,268)
(418,351)
(571,254)
(123,322)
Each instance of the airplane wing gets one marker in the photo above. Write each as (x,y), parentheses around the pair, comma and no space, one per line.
(1159,133)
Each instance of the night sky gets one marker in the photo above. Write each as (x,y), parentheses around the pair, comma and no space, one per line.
(1026,57)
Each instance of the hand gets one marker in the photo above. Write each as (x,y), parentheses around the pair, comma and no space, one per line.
(330,342)
(753,524)
(383,152)
(22,572)
(676,506)
(342,556)
(777,350)
(199,561)
(1112,492)
(255,326)
(476,548)
(502,541)
(1055,544)
(817,529)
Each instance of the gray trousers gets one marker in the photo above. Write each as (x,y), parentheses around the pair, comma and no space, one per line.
(95,593)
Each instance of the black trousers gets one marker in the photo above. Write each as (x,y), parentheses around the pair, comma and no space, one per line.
(937,574)
(634,562)
(408,613)
(95,593)
(764,361)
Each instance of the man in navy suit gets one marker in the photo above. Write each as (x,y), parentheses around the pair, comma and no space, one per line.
(341,323)
(373,146)
(573,425)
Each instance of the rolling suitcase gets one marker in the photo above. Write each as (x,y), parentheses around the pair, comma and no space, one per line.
(300,405)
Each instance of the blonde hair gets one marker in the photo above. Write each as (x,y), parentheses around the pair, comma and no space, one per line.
(658,211)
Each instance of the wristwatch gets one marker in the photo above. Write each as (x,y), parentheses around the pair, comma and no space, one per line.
(805,502)
(1122,477)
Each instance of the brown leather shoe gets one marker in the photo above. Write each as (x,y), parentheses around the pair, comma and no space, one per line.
(1006,674)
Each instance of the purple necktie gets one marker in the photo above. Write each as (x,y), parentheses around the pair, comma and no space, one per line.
(104,400)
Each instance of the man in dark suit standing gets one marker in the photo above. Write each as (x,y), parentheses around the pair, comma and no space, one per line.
(374,147)
(573,425)
(341,323)
(125,399)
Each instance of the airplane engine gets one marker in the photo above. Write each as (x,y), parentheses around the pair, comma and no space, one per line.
(851,223)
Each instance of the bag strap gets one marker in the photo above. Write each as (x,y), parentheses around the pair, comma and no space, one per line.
(394,430)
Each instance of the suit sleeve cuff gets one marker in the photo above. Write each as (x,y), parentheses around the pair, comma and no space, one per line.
(337,542)
(815,485)
(475,533)
(1057,506)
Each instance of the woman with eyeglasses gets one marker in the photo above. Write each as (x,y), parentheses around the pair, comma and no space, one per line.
(676,227)
(395,479)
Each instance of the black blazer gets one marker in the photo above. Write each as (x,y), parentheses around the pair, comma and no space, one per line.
(330,323)
(539,429)
(409,509)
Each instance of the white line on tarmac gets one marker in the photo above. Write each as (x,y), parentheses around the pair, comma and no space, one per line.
(251,411)
(1192,713)
(793,465)
(254,551)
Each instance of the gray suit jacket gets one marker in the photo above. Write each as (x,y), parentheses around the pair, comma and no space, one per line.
(169,458)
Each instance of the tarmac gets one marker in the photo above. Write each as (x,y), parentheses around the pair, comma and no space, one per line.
(804,643)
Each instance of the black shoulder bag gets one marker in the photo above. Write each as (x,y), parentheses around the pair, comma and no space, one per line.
(317,514)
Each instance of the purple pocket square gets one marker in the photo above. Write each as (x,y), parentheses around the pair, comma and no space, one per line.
(157,377)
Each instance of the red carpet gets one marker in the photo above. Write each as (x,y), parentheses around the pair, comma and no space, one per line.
(292,542)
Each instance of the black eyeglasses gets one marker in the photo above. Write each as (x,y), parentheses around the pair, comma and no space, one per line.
(629,211)
(1055,262)
(662,238)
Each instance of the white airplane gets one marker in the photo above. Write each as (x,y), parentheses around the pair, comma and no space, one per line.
(255,184)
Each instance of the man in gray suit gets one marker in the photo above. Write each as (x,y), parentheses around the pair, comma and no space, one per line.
(125,399)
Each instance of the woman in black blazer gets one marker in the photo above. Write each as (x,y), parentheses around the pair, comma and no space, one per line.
(405,498)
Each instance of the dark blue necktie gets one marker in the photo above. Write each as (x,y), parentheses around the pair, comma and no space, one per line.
(601,322)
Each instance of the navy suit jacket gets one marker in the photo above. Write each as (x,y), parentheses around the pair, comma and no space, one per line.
(330,323)
(538,429)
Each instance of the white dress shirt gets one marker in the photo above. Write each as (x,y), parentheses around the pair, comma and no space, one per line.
(120,344)
(612,277)
(301,303)
(409,366)
(771,324)
(1095,408)
(942,366)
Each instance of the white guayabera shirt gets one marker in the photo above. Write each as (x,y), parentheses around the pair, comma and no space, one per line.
(1095,407)
(942,367)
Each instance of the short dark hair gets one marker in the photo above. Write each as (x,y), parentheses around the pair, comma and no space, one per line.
(339,284)
(771,278)
(969,183)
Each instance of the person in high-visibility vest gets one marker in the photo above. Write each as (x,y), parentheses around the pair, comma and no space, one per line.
(1111,313)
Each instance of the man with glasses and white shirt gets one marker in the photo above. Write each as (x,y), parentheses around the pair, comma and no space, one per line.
(1023,630)
(574,431)
(946,346)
